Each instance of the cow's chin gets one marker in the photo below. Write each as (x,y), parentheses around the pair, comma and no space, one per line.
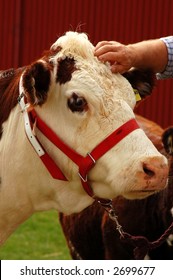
(139,194)
(105,191)
(143,193)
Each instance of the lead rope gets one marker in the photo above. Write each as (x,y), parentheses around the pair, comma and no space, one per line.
(74,251)
(141,243)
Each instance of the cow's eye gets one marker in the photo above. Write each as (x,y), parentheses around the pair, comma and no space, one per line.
(77,103)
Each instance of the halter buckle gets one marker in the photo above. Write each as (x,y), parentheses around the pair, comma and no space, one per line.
(91,157)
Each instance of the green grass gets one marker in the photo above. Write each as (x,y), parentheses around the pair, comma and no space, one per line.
(39,238)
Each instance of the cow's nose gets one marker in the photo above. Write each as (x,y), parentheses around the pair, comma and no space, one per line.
(155,171)
(149,170)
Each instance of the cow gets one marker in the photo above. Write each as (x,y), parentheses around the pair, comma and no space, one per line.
(69,136)
(91,234)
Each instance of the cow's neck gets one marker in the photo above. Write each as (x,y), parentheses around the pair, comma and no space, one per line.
(21,197)
(11,218)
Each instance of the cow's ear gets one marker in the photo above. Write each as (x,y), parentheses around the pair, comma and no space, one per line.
(142,81)
(167,139)
(36,82)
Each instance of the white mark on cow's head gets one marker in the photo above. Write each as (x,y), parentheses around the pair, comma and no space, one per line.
(69,44)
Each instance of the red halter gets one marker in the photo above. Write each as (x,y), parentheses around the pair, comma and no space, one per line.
(84,163)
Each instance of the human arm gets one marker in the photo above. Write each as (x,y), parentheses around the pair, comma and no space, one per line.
(151,54)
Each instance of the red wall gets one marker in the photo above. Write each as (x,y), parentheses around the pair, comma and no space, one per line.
(27,27)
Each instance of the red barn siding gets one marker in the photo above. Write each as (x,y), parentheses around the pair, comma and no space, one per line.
(28,27)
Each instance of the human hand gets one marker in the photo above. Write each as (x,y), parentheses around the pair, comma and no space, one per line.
(121,57)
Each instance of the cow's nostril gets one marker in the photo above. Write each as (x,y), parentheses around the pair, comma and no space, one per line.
(148,171)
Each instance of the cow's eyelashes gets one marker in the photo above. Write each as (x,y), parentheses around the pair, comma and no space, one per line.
(77,103)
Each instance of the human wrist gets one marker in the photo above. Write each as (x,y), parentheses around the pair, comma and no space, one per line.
(149,54)
(134,56)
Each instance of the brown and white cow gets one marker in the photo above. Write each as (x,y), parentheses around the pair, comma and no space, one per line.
(75,97)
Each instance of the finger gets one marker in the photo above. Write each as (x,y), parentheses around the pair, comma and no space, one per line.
(100,44)
(118,68)
(108,48)
(115,43)
(114,57)
(104,46)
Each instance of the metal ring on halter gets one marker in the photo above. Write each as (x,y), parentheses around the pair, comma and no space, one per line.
(83,179)
(86,178)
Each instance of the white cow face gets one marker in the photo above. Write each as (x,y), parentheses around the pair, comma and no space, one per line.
(83,102)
